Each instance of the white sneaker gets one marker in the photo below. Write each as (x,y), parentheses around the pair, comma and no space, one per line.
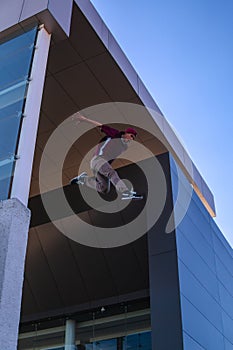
(131,195)
(79,180)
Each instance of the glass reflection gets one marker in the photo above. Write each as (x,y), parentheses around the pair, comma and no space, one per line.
(15,63)
(138,341)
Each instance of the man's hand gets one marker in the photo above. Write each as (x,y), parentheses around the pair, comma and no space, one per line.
(80,118)
(77,117)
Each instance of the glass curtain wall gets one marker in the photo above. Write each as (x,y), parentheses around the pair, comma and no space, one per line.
(138,341)
(16,56)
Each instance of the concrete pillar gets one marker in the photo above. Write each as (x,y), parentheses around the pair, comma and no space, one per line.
(70,335)
(14,225)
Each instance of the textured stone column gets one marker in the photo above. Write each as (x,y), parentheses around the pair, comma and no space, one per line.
(14,225)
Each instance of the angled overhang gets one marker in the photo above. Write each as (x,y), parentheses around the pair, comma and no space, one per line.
(21,13)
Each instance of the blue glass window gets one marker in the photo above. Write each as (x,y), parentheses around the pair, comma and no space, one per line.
(15,62)
(138,341)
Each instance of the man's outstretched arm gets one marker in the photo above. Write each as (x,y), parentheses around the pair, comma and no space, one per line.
(109,131)
(80,118)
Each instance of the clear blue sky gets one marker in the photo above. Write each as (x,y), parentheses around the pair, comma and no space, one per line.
(183,52)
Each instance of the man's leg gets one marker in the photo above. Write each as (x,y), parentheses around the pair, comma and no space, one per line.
(99,182)
(102,167)
(104,174)
(105,169)
(103,183)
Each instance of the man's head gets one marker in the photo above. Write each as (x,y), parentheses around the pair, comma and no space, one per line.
(131,131)
(129,134)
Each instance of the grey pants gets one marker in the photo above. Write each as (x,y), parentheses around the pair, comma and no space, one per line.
(103,175)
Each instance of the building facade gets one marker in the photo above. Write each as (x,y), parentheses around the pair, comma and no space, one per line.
(153,274)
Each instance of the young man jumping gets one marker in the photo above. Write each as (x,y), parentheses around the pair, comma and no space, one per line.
(110,147)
